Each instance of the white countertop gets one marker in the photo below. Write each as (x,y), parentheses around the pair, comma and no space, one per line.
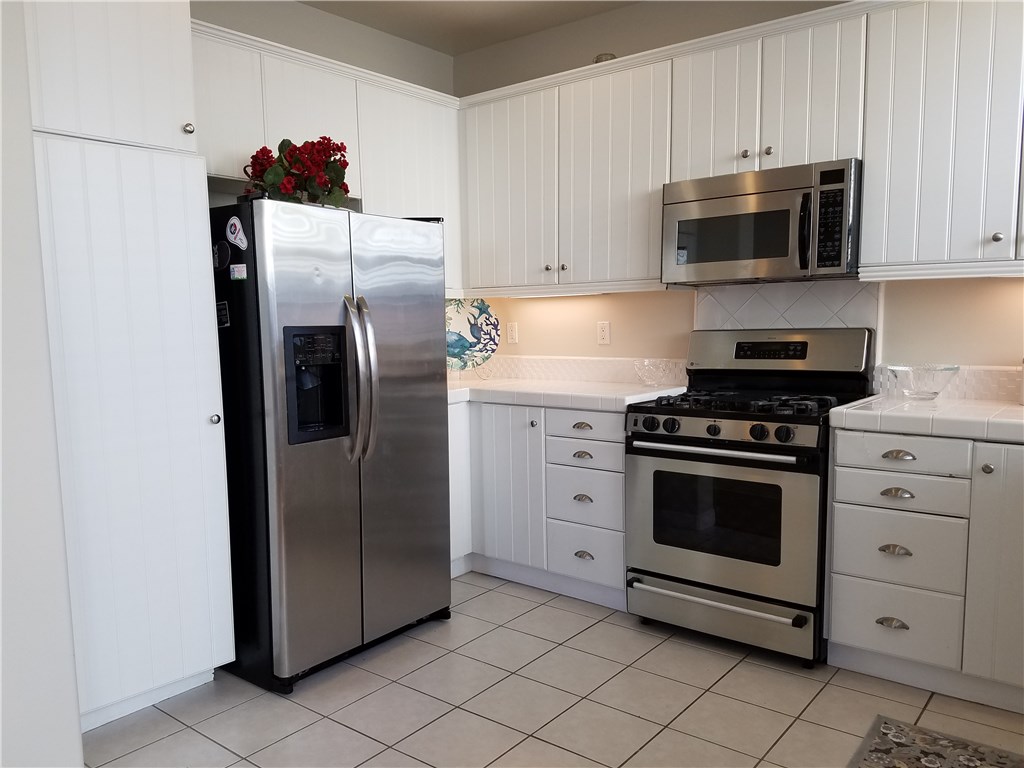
(588,395)
(995,420)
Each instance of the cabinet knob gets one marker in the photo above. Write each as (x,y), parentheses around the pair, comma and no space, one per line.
(583,455)
(215,419)
(896,493)
(892,622)
(547,267)
(997,237)
(988,469)
(564,267)
(895,549)
(582,554)
(188,128)
(769,150)
(533,422)
(583,497)
(745,153)
(899,454)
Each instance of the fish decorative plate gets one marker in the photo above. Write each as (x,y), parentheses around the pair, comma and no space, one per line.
(472,333)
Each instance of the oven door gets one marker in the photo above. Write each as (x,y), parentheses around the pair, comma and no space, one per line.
(740,238)
(734,521)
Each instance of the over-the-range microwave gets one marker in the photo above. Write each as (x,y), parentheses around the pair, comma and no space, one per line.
(796,223)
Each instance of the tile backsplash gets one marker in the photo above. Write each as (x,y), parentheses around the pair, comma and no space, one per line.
(822,304)
(972,382)
(610,369)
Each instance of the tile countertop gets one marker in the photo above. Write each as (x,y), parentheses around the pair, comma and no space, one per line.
(588,395)
(995,420)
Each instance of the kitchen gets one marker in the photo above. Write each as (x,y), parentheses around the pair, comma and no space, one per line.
(965,337)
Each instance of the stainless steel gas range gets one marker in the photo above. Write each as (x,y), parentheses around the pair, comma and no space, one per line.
(726,485)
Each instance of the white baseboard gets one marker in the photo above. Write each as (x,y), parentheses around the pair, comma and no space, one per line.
(552,582)
(461,565)
(102,715)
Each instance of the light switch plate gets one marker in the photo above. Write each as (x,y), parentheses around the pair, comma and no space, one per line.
(513,333)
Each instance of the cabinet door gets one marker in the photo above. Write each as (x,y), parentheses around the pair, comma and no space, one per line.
(613,161)
(994,610)
(511,191)
(942,133)
(715,104)
(409,153)
(812,94)
(133,344)
(511,456)
(303,102)
(112,70)
(229,105)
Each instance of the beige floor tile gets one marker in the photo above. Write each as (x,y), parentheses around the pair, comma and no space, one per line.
(454,678)
(526,592)
(806,745)
(209,699)
(506,648)
(335,687)
(876,686)
(820,672)
(397,657)
(853,711)
(767,687)
(611,641)
(571,670)
(532,753)
(392,713)
(256,724)
(599,732)
(520,703)
(325,744)
(979,713)
(182,748)
(623,619)
(462,591)
(391,758)
(460,740)
(126,734)
(686,663)
(551,623)
(480,580)
(672,749)
(450,634)
(734,724)
(651,697)
(495,607)
(968,729)
(712,643)
(582,607)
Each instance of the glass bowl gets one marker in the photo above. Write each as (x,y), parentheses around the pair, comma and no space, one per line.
(652,372)
(923,381)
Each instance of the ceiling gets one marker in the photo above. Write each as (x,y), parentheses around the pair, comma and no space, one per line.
(463,25)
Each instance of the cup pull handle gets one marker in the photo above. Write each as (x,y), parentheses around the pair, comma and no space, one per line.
(582,554)
(583,455)
(583,497)
(895,549)
(892,622)
(899,455)
(896,493)
(581,425)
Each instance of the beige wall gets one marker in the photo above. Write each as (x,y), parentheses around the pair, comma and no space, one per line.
(309,29)
(656,324)
(632,29)
(977,321)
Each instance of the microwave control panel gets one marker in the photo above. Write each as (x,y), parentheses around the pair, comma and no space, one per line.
(831,215)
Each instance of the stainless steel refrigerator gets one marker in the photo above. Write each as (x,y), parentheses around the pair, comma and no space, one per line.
(335,414)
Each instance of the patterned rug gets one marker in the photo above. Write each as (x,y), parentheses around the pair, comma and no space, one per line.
(894,744)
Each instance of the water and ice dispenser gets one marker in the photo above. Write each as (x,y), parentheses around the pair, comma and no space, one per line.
(316,382)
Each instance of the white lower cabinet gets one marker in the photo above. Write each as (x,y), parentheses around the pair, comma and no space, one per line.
(459,479)
(585,552)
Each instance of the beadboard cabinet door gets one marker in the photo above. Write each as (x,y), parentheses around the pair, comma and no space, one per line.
(613,158)
(942,140)
(112,70)
(511,190)
(133,340)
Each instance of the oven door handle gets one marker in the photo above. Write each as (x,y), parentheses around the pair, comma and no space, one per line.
(799,621)
(715,452)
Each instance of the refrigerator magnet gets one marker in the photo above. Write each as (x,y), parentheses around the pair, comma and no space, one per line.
(235,233)
(237,272)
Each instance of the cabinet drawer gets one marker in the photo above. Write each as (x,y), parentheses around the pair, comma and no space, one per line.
(903,453)
(935,620)
(589,454)
(591,425)
(900,490)
(605,562)
(587,496)
(936,547)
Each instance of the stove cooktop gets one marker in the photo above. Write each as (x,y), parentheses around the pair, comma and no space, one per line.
(746,403)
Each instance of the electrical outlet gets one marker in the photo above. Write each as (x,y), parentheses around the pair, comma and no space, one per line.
(604,332)
(512,337)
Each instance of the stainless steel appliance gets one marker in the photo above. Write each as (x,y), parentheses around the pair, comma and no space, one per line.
(726,485)
(332,359)
(796,223)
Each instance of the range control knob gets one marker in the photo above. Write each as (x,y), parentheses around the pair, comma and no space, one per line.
(714,430)
(650,423)
(783,434)
(670,425)
(759,432)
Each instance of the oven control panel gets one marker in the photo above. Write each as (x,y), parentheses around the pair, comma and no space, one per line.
(736,430)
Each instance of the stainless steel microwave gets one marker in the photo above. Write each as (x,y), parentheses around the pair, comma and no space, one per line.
(795,223)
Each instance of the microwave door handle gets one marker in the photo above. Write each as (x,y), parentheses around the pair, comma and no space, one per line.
(804,242)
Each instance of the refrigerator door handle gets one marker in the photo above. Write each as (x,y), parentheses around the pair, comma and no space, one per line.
(353,320)
(371,346)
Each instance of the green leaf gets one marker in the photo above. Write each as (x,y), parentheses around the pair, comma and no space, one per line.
(336,198)
(283,146)
(335,173)
(273,176)
(313,188)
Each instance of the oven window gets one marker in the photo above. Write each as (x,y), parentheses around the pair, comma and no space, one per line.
(740,237)
(720,516)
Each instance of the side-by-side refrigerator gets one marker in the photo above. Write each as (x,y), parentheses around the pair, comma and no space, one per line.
(335,415)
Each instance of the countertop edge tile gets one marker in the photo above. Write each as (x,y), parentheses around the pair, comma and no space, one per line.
(591,396)
(996,420)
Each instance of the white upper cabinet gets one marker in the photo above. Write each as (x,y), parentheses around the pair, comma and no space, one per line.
(613,133)
(786,99)
(112,70)
(942,140)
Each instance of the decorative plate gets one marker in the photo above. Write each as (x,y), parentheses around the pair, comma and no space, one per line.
(472,333)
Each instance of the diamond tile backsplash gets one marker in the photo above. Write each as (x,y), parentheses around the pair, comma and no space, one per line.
(825,304)
(972,382)
(611,369)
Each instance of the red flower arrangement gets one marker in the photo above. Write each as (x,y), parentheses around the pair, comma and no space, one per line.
(313,170)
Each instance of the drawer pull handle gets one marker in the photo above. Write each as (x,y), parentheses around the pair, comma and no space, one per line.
(897,493)
(899,454)
(892,622)
(583,497)
(582,554)
(895,549)
(583,455)
(581,425)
